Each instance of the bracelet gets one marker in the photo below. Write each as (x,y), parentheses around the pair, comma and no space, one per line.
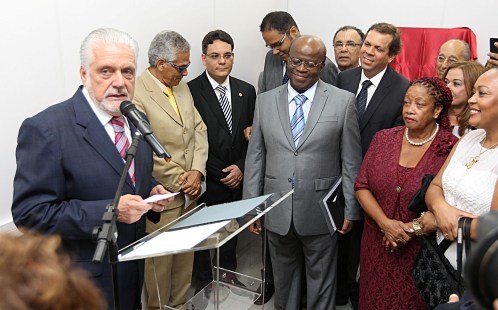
(416,227)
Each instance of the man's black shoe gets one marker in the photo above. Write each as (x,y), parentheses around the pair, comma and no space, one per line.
(269,290)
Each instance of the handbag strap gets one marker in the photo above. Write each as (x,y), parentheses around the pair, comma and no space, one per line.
(463,235)
(466,235)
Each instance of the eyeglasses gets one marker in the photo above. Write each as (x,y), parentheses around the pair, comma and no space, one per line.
(449,60)
(350,45)
(296,62)
(277,44)
(214,56)
(179,68)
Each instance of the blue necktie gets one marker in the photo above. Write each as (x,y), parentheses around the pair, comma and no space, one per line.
(361,99)
(297,122)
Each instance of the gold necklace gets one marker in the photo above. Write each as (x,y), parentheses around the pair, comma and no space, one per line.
(474,159)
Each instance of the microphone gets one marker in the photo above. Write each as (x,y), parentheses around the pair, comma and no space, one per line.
(129,110)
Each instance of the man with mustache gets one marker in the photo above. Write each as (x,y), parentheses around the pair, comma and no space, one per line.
(168,104)
(70,159)
(347,42)
(379,92)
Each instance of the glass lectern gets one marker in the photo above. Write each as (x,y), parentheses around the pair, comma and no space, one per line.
(210,227)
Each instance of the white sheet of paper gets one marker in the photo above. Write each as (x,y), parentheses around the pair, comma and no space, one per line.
(158,197)
(173,241)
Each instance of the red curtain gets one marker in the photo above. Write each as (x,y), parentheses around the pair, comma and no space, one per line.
(421,47)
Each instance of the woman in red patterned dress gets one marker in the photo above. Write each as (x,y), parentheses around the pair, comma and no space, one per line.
(390,175)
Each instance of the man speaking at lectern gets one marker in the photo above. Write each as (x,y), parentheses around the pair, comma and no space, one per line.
(70,159)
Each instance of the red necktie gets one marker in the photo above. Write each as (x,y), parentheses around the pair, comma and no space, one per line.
(122,143)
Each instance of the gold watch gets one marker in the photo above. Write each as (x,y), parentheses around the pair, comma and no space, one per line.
(416,227)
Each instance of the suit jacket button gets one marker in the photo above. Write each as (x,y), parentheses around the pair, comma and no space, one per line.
(295,153)
(289,179)
(186,151)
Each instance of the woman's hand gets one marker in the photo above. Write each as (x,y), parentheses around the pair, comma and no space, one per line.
(447,219)
(396,233)
(428,222)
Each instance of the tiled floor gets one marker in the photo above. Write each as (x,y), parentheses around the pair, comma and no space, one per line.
(249,263)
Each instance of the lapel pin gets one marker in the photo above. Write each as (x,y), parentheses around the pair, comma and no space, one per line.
(240,94)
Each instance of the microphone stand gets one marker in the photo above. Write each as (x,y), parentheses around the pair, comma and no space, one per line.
(107,234)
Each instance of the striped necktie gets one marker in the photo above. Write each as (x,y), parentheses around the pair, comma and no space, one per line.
(122,143)
(361,99)
(297,121)
(225,105)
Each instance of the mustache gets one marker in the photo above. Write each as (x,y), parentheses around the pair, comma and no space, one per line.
(116,92)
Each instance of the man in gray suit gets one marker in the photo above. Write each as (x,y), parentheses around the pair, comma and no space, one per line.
(305,136)
(279,30)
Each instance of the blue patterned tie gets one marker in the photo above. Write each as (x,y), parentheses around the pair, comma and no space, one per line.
(361,99)
(297,122)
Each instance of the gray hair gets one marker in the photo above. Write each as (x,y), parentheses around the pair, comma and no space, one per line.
(105,36)
(165,45)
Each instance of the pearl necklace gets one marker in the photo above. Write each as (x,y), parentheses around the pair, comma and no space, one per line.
(474,159)
(422,142)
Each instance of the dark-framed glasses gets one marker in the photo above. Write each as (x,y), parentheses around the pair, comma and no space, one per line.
(277,44)
(350,45)
(296,62)
(216,56)
(180,69)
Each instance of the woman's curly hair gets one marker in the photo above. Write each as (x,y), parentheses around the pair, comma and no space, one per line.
(442,97)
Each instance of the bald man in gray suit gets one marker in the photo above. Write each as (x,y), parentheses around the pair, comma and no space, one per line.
(309,160)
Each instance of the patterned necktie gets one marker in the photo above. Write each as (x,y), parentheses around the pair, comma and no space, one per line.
(297,122)
(285,79)
(122,143)
(361,99)
(225,105)
(169,92)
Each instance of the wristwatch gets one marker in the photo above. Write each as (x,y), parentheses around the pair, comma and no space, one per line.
(416,227)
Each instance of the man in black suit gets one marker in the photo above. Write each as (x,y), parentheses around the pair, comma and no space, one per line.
(226,105)
(380,92)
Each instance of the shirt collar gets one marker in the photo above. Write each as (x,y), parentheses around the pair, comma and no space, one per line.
(215,84)
(375,80)
(161,86)
(309,93)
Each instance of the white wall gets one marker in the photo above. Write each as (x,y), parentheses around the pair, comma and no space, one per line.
(40,42)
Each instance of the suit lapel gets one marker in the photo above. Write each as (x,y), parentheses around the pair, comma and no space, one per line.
(318,103)
(95,134)
(212,102)
(377,98)
(161,99)
(283,113)
(237,102)
(278,72)
(355,81)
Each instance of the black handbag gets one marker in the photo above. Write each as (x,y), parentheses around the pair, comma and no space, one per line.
(417,203)
(433,274)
